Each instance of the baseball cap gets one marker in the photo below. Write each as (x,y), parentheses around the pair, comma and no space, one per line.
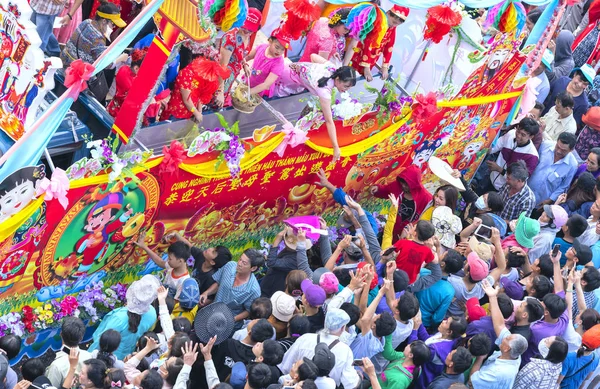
(588,72)
(253,20)
(483,250)
(591,337)
(583,252)
(335,319)
(282,36)
(353,251)
(475,310)
(478,269)
(41,382)
(324,359)
(111,12)
(314,294)
(284,306)
(190,293)
(513,289)
(557,213)
(318,273)
(237,380)
(329,283)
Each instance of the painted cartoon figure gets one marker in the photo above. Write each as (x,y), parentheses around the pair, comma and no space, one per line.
(18,190)
(469,155)
(425,151)
(100,223)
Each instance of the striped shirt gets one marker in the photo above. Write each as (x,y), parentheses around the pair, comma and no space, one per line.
(238,298)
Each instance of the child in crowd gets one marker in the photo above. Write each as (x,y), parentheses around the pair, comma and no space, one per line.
(573,228)
(415,250)
(109,343)
(176,264)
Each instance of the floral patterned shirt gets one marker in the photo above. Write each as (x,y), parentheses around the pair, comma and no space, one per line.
(233,42)
(368,56)
(87,43)
(186,79)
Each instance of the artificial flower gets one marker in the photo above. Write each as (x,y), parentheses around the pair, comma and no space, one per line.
(116,170)
(424,106)
(174,155)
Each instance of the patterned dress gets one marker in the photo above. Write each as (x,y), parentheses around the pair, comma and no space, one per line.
(233,42)
(587,140)
(305,75)
(368,56)
(186,79)
(586,49)
(322,38)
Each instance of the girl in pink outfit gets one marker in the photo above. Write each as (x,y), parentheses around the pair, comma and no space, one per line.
(268,63)
(327,38)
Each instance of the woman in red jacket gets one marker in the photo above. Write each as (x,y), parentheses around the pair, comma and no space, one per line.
(412,194)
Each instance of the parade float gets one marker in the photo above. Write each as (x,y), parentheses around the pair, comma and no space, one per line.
(67,236)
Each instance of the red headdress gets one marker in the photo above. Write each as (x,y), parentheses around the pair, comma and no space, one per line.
(300,15)
(207,73)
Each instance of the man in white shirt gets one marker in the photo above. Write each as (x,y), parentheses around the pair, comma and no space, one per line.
(501,368)
(335,323)
(71,333)
(560,117)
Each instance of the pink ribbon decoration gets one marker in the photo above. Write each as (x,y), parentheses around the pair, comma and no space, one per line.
(77,76)
(55,188)
(114,384)
(293,137)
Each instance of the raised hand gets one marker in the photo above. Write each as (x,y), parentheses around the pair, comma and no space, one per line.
(352,204)
(190,353)
(489,289)
(395,200)
(162,294)
(357,280)
(73,357)
(323,180)
(206,350)
(345,243)
(151,344)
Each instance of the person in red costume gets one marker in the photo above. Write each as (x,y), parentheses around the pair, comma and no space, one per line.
(364,58)
(195,87)
(124,80)
(412,194)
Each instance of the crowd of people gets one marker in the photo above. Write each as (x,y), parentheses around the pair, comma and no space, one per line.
(487,284)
